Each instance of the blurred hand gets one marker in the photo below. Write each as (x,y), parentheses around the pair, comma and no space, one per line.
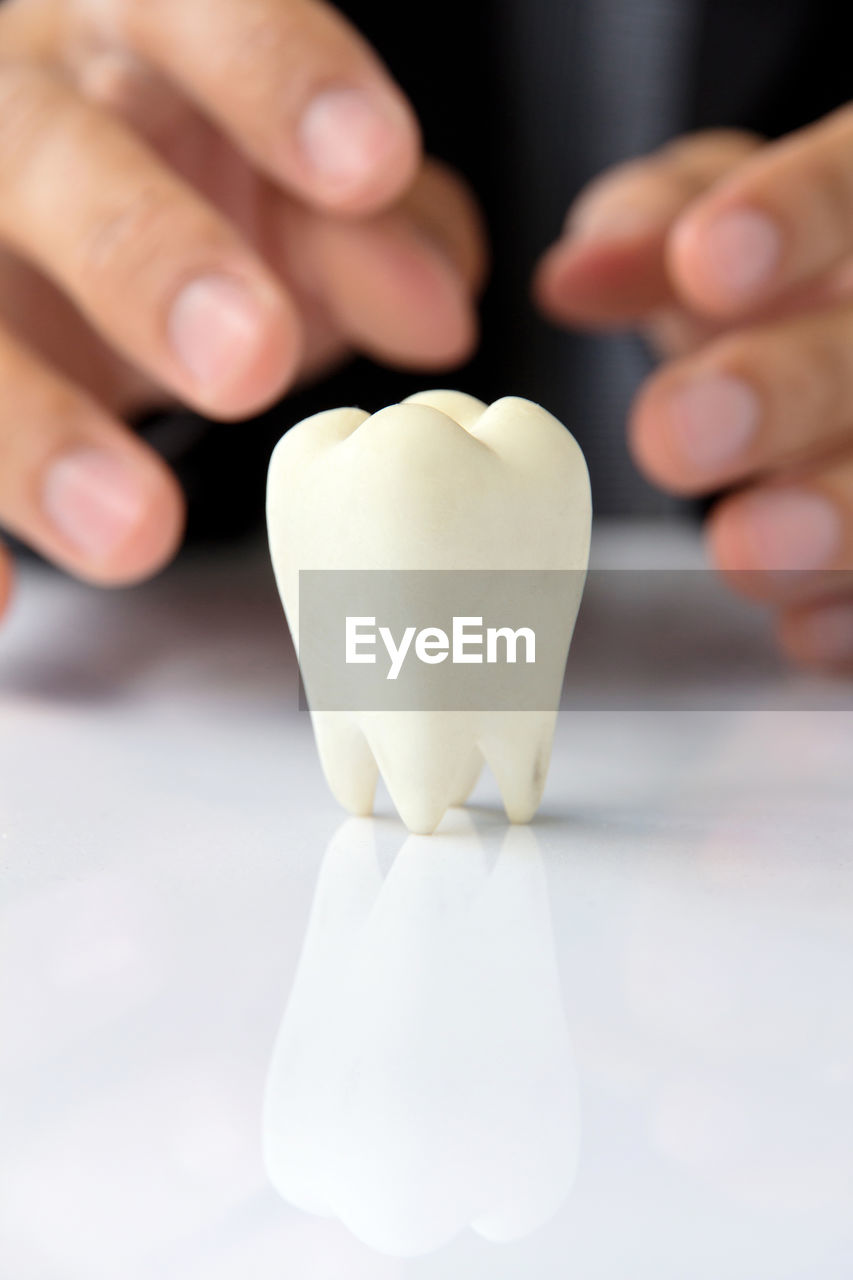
(736,258)
(201,200)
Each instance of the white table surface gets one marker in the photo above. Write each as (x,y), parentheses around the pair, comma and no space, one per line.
(615,1045)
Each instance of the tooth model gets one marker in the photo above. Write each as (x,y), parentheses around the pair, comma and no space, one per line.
(439,483)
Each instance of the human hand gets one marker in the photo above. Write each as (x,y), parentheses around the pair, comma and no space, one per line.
(203,200)
(735,256)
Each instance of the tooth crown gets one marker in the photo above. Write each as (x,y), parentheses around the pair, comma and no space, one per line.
(437,482)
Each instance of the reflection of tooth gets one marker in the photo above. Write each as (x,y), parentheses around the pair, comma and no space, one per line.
(440,482)
(299,1131)
(423,1078)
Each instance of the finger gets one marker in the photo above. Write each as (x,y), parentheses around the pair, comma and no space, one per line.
(764,399)
(783,218)
(155,269)
(398,286)
(789,540)
(671,332)
(76,485)
(393,291)
(609,268)
(294,85)
(676,331)
(443,205)
(819,635)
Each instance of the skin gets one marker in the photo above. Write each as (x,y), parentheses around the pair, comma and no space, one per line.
(146,146)
(643,248)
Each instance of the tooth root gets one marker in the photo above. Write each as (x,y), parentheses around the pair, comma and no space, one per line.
(422,756)
(468,778)
(517,750)
(347,761)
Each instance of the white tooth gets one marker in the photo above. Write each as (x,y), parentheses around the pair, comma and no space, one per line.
(467,778)
(425,759)
(440,482)
(517,748)
(347,760)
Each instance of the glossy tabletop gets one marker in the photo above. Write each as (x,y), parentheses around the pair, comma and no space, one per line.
(243,1038)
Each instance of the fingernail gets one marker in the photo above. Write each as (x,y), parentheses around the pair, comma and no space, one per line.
(215,327)
(828,633)
(791,529)
(94,501)
(712,420)
(742,250)
(347,134)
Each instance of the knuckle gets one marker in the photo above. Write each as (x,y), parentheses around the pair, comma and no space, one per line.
(138,245)
(40,413)
(117,80)
(827,371)
(302,39)
(123,236)
(31,399)
(287,49)
(755,357)
(807,377)
(257,38)
(26,94)
(744,354)
(811,384)
(123,17)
